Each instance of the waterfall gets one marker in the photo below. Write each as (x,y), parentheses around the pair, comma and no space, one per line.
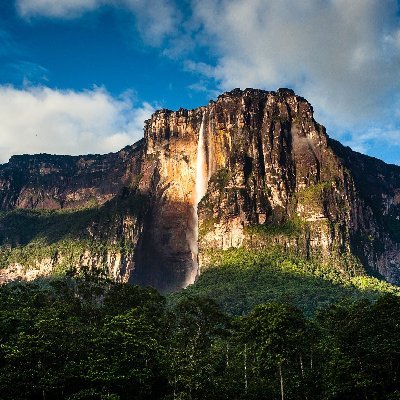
(200,189)
(201,168)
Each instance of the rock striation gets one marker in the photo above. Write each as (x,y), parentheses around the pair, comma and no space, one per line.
(251,169)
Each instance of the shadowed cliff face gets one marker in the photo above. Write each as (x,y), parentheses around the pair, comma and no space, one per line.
(375,211)
(61,214)
(270,165)
(269,176)
(46,181)
(167,252)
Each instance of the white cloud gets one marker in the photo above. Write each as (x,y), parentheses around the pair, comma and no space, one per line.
(37,120)
(155,19)
(342,55)
(364,141)
(336,53)
(58,8)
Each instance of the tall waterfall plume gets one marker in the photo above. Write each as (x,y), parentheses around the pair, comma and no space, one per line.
(201,167)
(200,189)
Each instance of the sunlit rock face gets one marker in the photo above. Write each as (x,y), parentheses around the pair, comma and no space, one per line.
(267,163)
(176,167)
(182,151)
(165,257)
(213,178)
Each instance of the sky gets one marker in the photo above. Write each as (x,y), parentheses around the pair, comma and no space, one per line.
(81,76)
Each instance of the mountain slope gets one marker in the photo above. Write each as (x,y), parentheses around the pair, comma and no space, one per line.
(252,170)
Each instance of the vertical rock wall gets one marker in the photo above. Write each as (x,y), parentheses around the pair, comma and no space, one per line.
(270,164)
(165,256)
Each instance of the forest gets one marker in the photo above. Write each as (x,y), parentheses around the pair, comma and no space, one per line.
(88,338)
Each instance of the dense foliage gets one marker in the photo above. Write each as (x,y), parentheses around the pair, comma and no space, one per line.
(90,339)
(240,279)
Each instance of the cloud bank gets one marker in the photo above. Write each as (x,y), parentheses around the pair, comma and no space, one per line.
(342,55)
(37,120)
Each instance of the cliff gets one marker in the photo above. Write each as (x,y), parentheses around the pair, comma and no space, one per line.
(46,181)
(252,169)
(65,214)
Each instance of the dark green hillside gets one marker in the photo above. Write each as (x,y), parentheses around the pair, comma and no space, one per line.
(240,279)
(29,236)
(91,339)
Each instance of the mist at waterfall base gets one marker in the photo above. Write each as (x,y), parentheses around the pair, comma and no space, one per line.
(200,189)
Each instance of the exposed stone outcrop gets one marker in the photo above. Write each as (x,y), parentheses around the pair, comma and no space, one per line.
(280,168)
(270,164)
(66,213)
(45,181)
(271,168)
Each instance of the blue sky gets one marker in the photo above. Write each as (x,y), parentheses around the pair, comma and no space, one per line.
(80,76)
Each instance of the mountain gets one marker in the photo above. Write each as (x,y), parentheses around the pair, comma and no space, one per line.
(252,170)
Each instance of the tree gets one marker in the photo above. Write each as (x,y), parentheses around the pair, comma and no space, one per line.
(275,339)
(197,349)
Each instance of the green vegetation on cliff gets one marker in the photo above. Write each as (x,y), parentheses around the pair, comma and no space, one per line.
(239,279)
(290,228)
(62,237)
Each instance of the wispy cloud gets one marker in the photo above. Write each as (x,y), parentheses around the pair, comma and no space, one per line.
(41,119)
(342,55)
(384,137)
(203,86)
(25,72)
(155,19)
(7,44)
(336,53)
(58,9)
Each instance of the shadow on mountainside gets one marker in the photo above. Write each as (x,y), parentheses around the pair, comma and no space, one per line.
(20,227)
(239,280)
